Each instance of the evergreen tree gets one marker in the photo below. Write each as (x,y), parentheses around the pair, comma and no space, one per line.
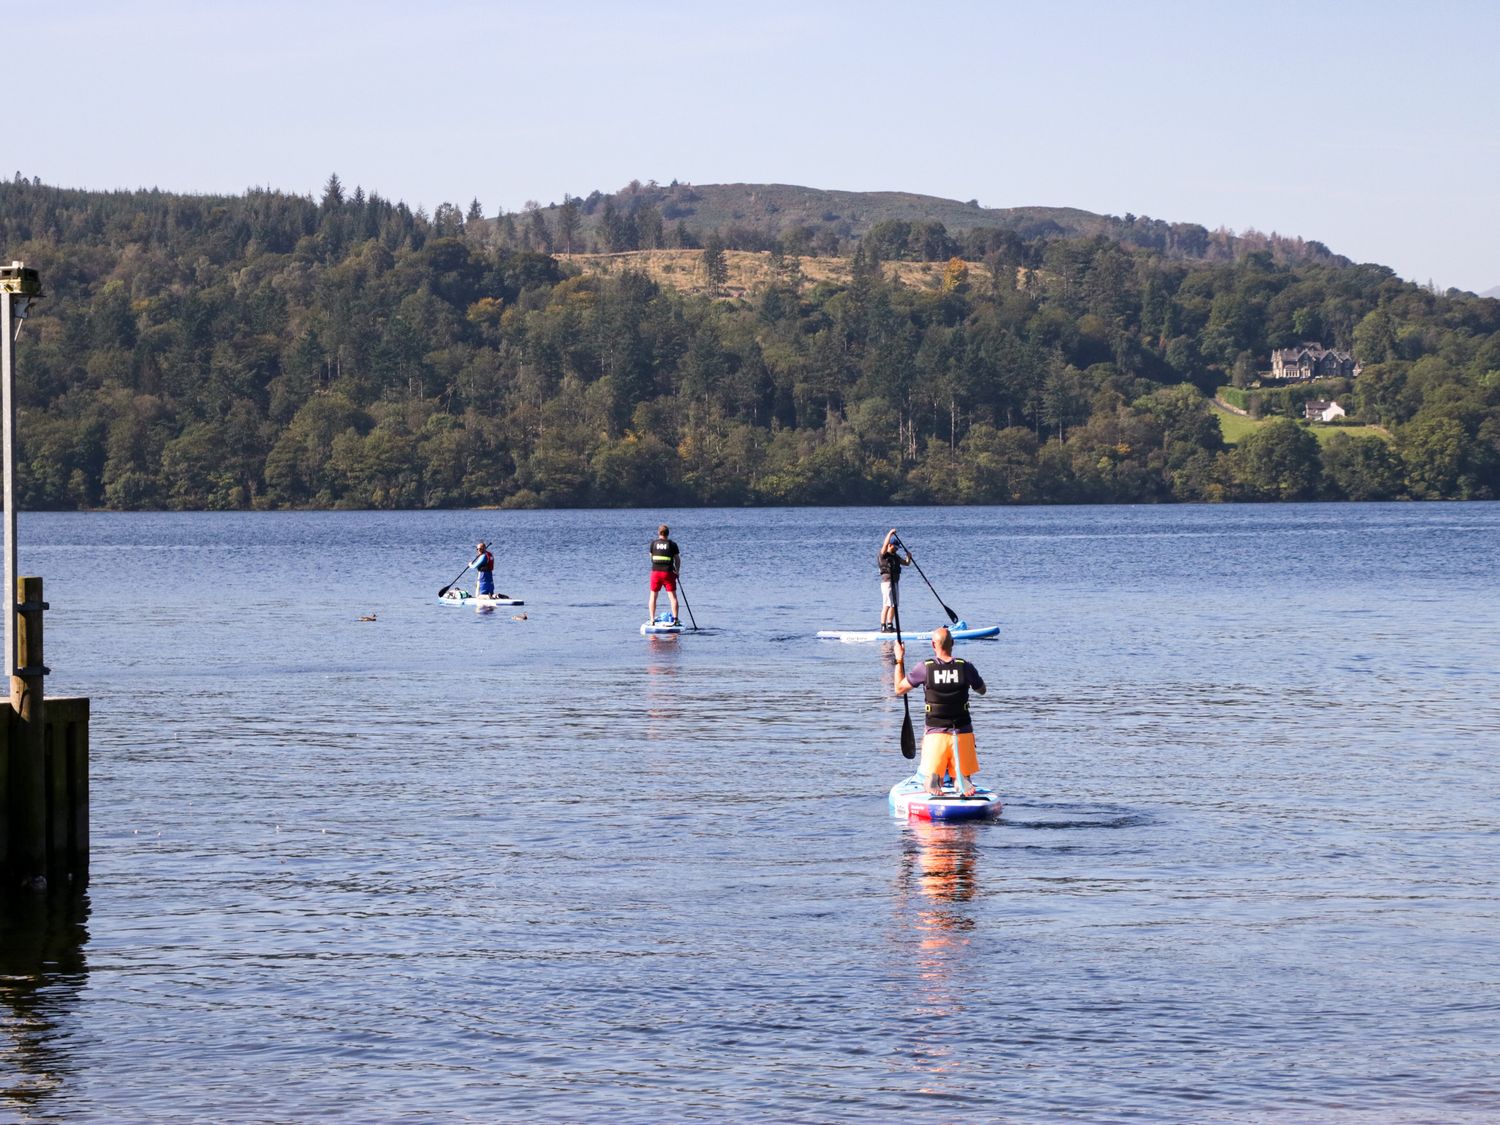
(333,194)
(715,265)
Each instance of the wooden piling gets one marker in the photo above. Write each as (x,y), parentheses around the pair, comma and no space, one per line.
(44,751)
(68,771)
(28,759)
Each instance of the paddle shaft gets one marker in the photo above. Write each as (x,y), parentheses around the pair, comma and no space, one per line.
(450,585)
(908,739)
(681,589)
(952,617)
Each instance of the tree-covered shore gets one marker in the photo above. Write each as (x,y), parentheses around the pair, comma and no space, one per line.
(270,350)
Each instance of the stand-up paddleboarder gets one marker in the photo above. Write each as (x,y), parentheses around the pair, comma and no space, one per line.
(666,562)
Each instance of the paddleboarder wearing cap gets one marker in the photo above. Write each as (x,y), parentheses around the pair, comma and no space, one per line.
(948,742)
(484,563)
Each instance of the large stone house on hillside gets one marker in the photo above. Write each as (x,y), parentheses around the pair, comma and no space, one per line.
(1311,361)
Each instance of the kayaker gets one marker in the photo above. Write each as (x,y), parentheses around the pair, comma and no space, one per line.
(666,562)
(946,682)
(891,563)
(484,563)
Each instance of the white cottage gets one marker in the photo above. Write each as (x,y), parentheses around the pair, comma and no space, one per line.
(1316,410)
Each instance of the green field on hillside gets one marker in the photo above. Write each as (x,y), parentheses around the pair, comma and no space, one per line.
(1236,428)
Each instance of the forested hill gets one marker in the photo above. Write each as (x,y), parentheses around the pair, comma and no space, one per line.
(809,220)
(271,350)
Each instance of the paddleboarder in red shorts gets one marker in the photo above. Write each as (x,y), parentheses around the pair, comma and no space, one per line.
(666,561)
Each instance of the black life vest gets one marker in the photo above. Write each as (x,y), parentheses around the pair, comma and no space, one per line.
(663,554)
(947,689)
(890,566)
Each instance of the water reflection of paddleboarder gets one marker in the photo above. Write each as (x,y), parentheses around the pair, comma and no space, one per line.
(942,867)
(939,863)
(664,706)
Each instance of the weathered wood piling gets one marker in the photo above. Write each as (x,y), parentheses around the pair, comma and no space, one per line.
(44,766)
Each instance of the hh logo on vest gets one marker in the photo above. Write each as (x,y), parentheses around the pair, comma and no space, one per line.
(946,676)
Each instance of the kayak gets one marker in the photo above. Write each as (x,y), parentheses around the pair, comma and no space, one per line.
(909,798)
(662,626)
(463,597)
(961,632)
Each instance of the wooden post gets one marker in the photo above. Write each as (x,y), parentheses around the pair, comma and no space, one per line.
(77,744)
(29,748)
(68,787)
(6,724)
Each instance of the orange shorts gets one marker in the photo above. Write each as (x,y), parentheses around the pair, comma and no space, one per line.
(937,754)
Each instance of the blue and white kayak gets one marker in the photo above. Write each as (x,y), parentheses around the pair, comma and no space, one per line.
(910,799)
(456,596)
(663,625)
(963,631)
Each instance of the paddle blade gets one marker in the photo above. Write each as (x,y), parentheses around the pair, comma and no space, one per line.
(953,617)
(444,590)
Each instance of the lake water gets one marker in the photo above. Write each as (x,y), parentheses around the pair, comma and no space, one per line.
(454,866)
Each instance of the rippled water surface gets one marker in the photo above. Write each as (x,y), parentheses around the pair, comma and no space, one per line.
(446,865)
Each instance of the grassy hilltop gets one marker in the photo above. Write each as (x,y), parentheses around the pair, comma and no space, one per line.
(812,220)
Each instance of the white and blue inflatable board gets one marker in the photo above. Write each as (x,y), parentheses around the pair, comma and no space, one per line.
(456,596)
(909,798)
(961,632)
(662,625)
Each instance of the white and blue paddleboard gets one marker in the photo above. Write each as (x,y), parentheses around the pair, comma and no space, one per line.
(910,799)
(961,632)
(456,596)
(663,625)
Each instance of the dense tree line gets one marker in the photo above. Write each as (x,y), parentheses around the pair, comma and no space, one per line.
(271,350)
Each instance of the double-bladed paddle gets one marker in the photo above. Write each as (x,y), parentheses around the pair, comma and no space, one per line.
(908,739)
(952,617)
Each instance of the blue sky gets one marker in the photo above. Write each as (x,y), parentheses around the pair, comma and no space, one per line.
(1373,127)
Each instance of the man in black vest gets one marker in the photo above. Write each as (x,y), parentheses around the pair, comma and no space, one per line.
(948,743)
(666,561)
(891,563)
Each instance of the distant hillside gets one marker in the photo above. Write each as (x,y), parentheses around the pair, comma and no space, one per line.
(1495,292)
(278,351)
(811,220)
